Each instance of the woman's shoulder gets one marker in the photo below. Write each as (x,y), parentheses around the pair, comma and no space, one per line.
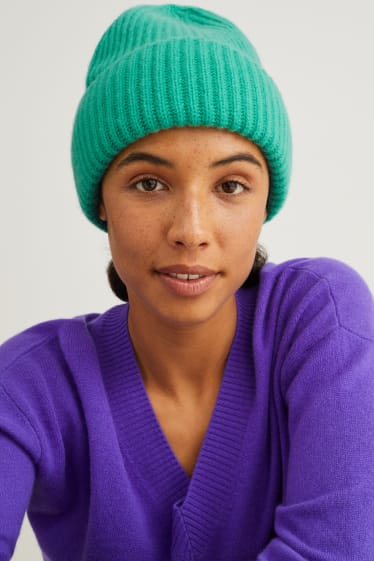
(333,271)
(30,345)
(320,286)
(28,341)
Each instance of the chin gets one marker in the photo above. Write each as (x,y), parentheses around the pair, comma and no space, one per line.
(180,312)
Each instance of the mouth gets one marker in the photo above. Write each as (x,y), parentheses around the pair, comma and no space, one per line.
(187,280)
(185,276)
(186,272)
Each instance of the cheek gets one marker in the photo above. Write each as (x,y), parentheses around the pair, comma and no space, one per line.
(241,235)
(243,228)
(131,238)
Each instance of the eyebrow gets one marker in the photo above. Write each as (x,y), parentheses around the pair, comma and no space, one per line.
(151,158)
(144,157)
(242,157)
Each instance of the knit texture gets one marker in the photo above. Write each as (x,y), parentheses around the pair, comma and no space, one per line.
(285,471)
(159,67)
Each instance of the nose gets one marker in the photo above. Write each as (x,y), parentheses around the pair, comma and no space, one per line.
(190,223)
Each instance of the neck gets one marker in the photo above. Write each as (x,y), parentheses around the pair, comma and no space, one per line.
(182,360)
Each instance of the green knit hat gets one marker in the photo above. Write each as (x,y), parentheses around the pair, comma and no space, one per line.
(158,67)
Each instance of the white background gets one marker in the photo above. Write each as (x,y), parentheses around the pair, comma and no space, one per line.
(53,261)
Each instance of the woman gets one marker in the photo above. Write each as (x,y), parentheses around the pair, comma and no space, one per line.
(225,412)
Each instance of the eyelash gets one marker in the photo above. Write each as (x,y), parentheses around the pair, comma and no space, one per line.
(151,178)
(143,179)
(237,183)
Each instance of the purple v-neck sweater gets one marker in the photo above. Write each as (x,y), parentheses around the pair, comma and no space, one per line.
(285,472)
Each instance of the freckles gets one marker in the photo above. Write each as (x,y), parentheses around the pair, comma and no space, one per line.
(135,234)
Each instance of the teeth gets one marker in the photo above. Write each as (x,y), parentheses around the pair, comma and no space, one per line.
(184,276)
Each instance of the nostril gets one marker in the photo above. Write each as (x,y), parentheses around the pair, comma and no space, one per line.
(190,243)
(188,228)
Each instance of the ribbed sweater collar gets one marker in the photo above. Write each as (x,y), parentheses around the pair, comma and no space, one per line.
(203,500)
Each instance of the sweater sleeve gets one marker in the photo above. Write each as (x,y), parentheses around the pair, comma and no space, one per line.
(19,450)
(23,401)
(327,507)
(16,482)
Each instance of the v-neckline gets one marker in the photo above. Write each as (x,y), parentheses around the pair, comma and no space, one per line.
(203,498)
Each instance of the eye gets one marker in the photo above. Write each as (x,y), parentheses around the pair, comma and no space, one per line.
(232,187)
(148,185)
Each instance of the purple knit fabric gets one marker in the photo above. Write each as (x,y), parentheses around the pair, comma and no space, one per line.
(285,472)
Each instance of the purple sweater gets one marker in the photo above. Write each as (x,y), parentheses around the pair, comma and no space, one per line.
(285,472)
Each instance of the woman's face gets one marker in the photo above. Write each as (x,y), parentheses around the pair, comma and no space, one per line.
(184,209)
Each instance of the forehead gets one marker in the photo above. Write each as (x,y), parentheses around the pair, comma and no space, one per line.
(212,142)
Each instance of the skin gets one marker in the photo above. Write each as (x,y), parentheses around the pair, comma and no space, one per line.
(192,210)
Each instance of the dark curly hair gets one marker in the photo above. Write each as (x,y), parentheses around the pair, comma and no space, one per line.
(120,290)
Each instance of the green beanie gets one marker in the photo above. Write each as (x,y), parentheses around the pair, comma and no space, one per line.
(158,67)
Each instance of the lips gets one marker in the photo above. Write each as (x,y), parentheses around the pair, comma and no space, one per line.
(185,280)
(184,276)
(189,270)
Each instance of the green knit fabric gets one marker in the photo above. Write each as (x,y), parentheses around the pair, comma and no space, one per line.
(158,67)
